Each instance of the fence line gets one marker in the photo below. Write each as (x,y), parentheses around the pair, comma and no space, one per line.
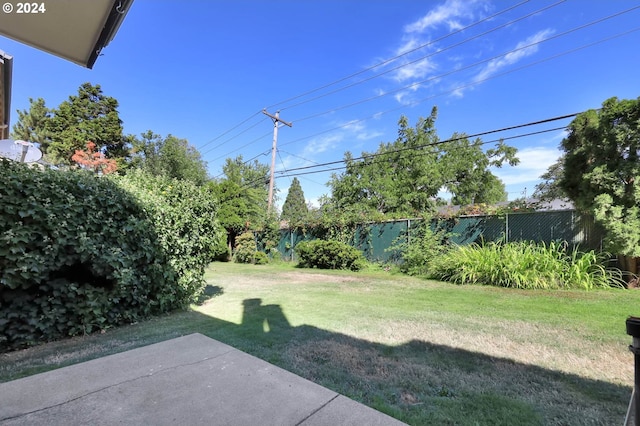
(374,239)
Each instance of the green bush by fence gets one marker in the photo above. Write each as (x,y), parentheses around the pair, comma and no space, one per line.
(329,255)
(374,239)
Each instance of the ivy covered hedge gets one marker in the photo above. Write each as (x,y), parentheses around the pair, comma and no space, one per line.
(80,253)
(184,218)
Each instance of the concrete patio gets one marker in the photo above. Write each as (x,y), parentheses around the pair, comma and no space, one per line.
(191,380)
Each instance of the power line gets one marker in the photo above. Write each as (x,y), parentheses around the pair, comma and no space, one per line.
(289,174)
(386,61)
(461,137)
(430,54)
(255,157)
(476,135)
(473,83)
(243,146)
(369,69)
(228,131)
(465,86)
(452,91)
(233,137)
(464,68)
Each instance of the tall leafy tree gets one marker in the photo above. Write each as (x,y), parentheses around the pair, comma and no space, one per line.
(602,172)
(32,124)
(466,170)
(549,188)
(88,116)
(404,177)
(170,156)
(294,209)
(242,196)
(400,177)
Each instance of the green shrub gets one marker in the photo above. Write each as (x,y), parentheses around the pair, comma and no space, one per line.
(184,219)
(246,251)
(80,253)
(260,258)
(77,254)
(245,248)
(329,255)
(421,249)
(525,265)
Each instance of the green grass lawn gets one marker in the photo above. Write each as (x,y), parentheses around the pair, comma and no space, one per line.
(422,351)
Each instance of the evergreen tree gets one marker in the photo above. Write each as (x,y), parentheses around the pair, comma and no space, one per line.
(32,124)
(295,208)
(601,171)
(88,116)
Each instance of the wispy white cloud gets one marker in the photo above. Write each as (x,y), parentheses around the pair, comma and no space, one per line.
(522,50)
(322,144)
(403,98)
(419,69)
(452,14)
(534,162)
(350,131)
(448,13)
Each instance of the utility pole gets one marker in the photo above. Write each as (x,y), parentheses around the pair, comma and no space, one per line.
(276,120)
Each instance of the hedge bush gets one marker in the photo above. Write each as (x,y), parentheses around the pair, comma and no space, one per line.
(79,253)
(184,218)
(246,250)
(329,255)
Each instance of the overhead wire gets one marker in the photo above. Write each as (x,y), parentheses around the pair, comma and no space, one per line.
(466,67)
(389,60)
(449,140)
(464,86)
(289,174)
(304,159)
(386,61)
(437,52)
(229,131)
(228,140)
(475,135)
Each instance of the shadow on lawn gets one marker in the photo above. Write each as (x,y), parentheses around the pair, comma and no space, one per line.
(420,382)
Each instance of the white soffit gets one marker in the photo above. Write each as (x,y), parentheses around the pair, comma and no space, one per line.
(73,29)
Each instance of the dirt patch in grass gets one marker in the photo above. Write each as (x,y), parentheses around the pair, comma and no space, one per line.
(555,349)
(311,278)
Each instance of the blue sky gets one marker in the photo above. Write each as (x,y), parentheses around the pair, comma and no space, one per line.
(204,71)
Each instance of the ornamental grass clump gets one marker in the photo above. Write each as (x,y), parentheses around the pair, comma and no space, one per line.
(526,265)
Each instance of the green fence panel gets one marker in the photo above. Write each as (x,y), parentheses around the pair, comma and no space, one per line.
(375,239)
(547,227)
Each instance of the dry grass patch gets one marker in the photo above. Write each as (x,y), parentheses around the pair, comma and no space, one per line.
(422,351)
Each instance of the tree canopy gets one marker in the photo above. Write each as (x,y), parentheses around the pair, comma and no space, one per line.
(404,177)
(170,157)
(294,209)
(32,124)
(88,116)
(602,169)
(242,196)
(549,189)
